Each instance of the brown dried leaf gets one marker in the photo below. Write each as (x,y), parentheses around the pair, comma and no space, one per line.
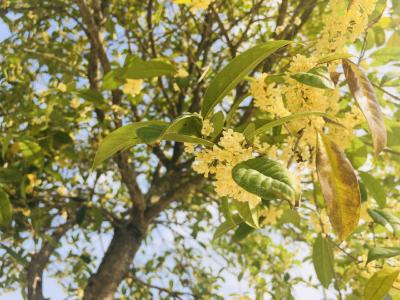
(363,92)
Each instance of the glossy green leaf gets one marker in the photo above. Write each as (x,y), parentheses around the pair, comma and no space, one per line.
(5,209)
(316,77)
(151,133)
(339,186)
(387,219)
(120,139)
(265,178)
(322,256)
(363,92)
(380,283)
(235,71)
(375,188)
(382,252)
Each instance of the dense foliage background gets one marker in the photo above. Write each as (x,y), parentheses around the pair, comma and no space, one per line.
(64,88)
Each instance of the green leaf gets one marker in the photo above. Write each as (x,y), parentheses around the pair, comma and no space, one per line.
(217,121)
(363,92)
(249,133)
(223,229)
(317,77)
(275,78)
(5,209)
(136,68)
(186,128)
(92,96)
(322,256)
(339,186)
(281,121)
(265,178)
(120,139)
(375,188)
(242,232)
(235,71)
(382,252)
(151,133)
(112,80)
(248,213)
(333,57)
(380,283)
(385,218)
(178,137)
(10,175)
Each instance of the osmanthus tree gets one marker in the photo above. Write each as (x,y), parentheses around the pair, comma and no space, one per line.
(206,138)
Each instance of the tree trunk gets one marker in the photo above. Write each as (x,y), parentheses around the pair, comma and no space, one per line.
(115,265)
(39,262)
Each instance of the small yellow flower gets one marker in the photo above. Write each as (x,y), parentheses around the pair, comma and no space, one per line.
(132,86)
(207,128)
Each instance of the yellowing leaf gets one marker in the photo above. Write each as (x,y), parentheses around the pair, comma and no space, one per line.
(339,186)
(380,283)
(363,92)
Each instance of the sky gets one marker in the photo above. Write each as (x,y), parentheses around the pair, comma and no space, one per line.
(54,291)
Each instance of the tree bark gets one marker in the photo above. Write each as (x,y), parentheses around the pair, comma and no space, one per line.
(39,262)
(115,264)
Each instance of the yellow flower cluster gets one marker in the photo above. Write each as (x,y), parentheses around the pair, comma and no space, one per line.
(268,97)
(195,5)
(132,86)
(220,160)
(207,128)
(344,24)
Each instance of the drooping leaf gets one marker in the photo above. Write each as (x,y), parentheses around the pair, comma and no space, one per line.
(363,92)
(339,187)
(223,229)
(228,225)
(317,77)
(235,71)
(375,188)
(287,119)
(120,139)
(322,256)
(380,283)
(249,213)
(382,252)
(242,232)
(265,178)
(385,218)
(5,209)
(136,68)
